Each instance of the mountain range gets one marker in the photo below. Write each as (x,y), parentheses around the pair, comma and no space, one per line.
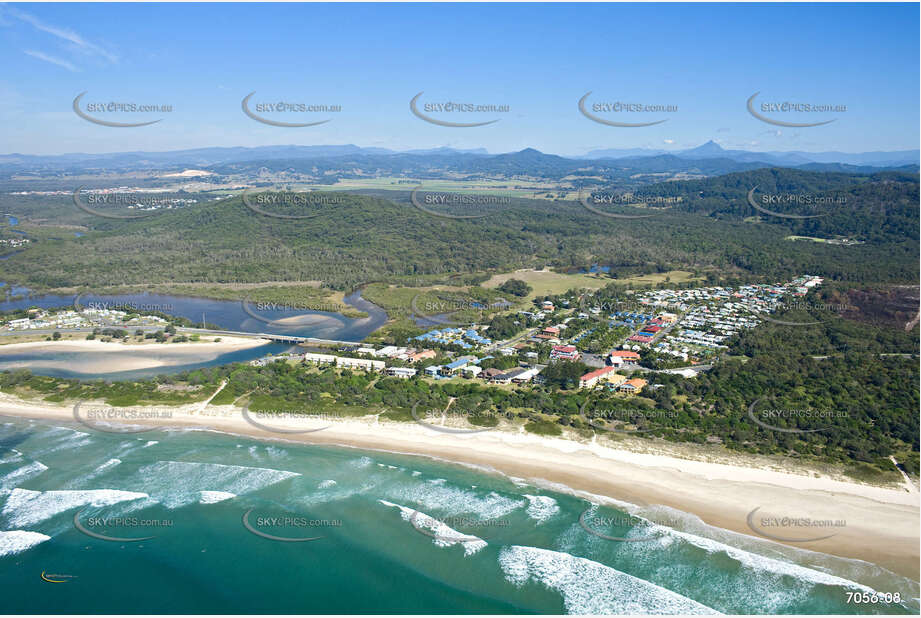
(709,158)
(712,150)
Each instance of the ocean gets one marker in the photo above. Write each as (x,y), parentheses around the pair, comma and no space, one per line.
(183,521)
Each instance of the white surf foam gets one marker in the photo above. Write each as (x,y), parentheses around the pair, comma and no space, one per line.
(444,497)
(18,541)
(589,587)
(16,457)
(326,483)
(22,474)
(764,564)
(445,535)
(25,507)
(541,508)
(178,483)
(213,497)
(83,480)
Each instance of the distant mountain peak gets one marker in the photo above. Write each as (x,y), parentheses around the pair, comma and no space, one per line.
(710,147)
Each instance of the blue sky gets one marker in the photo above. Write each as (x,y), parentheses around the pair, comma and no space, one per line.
(539,59)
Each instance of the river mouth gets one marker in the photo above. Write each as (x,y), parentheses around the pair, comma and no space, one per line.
(227,314)
(118,365)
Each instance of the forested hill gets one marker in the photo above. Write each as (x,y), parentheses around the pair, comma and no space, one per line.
(880,207)
(712,232)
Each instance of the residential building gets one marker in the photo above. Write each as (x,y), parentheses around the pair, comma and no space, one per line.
(634,385)
(471,371)
(360,363)
(564,352)
(418,356)
(590,379)
(400,372)
(320,359)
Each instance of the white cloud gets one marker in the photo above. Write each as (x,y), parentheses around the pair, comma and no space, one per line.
(64,34)
(52,60)
(669,141)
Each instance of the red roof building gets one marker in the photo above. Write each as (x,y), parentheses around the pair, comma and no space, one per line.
(591,378)
(564,352)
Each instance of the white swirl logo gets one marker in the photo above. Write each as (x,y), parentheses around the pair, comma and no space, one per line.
(781,107)
(115,539)
(790,522)
(447,107)
(275,123)
(784,413)
(589,515)
(425,203)
(105,215)
(414,413)
(107,123)
(278,521)
(612,123)
(753,204)
(586,201)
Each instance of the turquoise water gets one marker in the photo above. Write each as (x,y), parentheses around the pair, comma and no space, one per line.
(503,547)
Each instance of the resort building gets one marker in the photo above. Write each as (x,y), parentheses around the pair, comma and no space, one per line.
(400,372)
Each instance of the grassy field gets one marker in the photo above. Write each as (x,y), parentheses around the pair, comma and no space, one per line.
(546,282)
(514,188)
(812,238)
(673,276)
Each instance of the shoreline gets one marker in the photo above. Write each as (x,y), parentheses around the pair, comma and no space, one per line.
(114,356)
(881,523)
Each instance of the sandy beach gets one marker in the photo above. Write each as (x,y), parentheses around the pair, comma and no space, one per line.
(875,524)
(105,357)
